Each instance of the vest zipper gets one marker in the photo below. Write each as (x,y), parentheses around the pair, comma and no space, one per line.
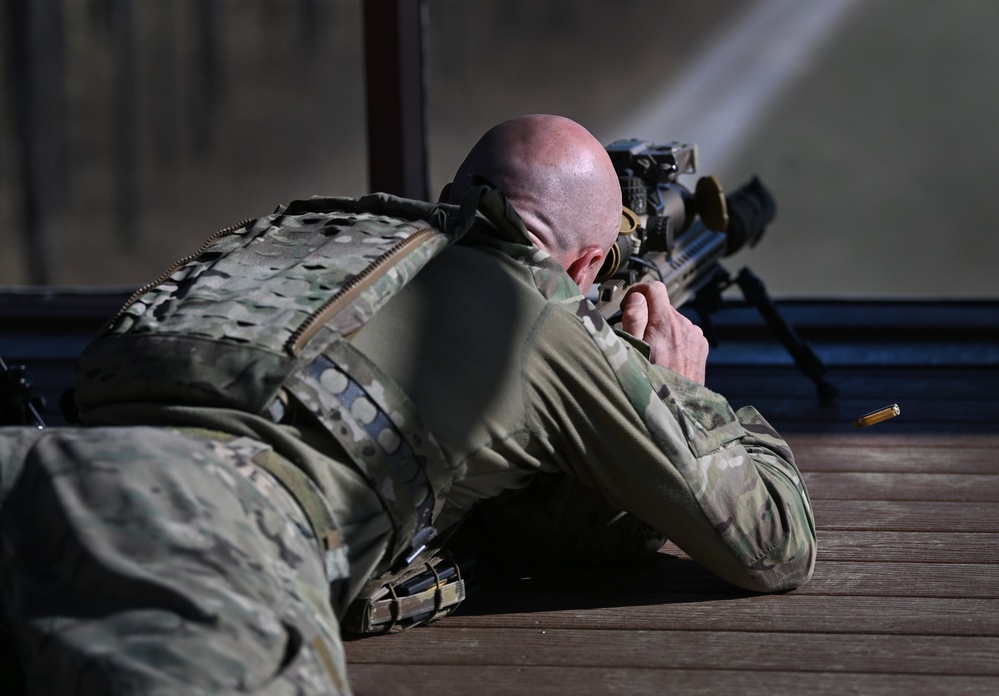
(162,278)
(349,291)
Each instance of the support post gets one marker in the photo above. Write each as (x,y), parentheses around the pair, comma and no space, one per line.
(396,110)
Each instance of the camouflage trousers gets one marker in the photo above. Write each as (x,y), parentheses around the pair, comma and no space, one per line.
(146,561)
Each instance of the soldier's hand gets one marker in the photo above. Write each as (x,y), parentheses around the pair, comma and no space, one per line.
(675,342)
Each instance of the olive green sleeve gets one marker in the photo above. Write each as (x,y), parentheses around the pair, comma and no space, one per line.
(722,486)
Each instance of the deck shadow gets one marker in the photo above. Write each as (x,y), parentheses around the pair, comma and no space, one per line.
(500,588)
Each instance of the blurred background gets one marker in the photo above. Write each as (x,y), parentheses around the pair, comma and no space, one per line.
(153,124)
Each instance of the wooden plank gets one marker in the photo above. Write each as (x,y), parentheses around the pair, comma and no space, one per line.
(794,612)
(664,575)
(874,440)
(895,486)
(912,547)
(915,458)
(904,547)
(854,652)
(583,680)
(907,516)
(968,580)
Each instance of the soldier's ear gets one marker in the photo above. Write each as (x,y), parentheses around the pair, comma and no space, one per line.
(445,194)
(584,268)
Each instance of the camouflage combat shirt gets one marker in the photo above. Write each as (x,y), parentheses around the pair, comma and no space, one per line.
(521,381)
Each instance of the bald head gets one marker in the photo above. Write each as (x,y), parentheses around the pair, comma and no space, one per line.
(559,179)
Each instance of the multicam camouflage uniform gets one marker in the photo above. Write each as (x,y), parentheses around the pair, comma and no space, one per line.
(140,561)
(486,376)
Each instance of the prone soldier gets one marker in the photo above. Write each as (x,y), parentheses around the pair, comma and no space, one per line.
(315,396)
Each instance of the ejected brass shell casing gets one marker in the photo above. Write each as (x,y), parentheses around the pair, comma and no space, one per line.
(873,417)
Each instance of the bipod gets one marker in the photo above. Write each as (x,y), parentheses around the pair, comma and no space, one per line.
(708,300)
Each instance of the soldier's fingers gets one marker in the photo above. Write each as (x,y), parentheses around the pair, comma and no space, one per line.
(658,298)
(635,314)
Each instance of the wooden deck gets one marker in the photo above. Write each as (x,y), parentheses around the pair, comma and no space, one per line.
(905,598)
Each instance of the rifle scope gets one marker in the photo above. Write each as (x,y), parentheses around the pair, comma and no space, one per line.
(662,210)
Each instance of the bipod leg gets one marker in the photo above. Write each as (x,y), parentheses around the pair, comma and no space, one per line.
(804,357)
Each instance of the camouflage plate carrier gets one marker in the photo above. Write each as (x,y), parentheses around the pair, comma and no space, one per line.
(259,317)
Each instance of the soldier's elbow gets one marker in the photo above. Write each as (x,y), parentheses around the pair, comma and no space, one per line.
(789,565)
